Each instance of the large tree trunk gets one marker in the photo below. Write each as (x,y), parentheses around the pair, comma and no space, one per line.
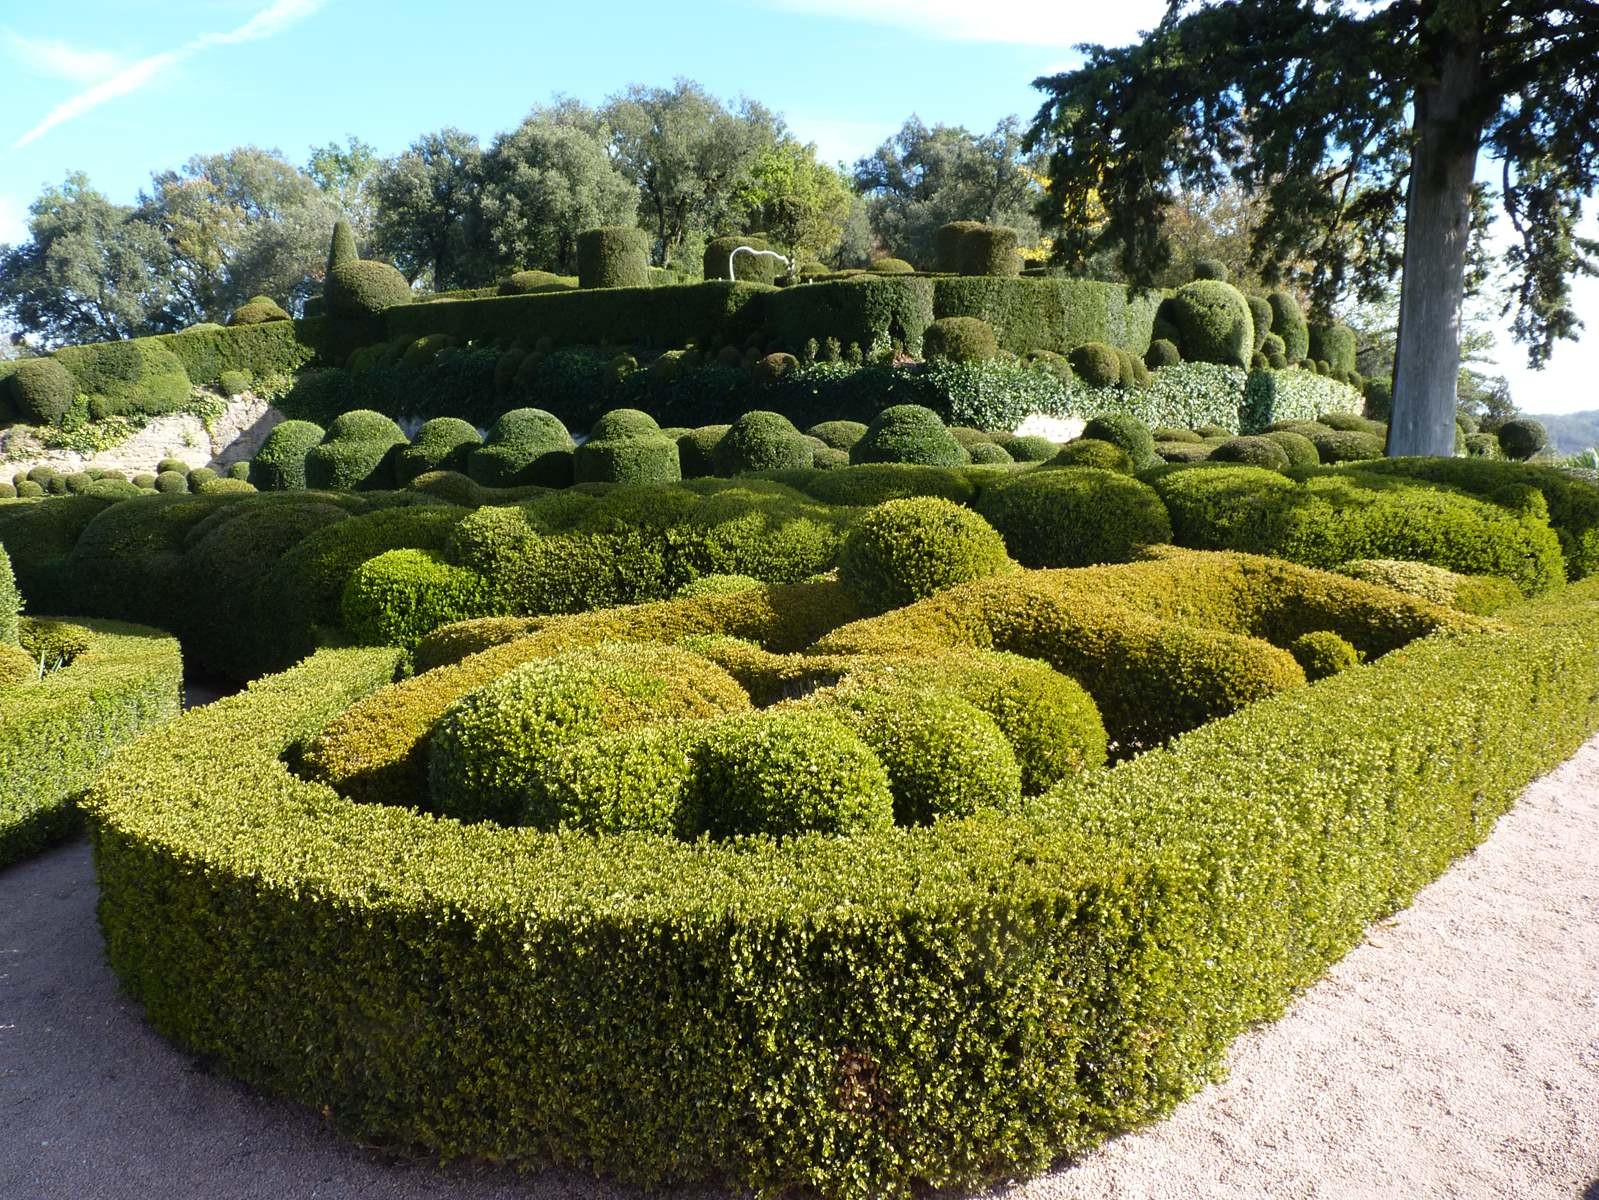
(1437,237)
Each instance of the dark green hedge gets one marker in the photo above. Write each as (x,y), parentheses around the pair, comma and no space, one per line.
(1051,313)
(873,312)
(56,733)
(921,1008)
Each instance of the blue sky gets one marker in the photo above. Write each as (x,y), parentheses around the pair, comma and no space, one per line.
(121,88)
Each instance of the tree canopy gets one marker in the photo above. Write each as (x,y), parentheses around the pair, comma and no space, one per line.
(1360,126)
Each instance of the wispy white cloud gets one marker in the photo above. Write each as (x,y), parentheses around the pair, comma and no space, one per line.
(1041,23)
(270,21)
(80,64)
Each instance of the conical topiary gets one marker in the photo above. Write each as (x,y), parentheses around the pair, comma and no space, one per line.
(343,248)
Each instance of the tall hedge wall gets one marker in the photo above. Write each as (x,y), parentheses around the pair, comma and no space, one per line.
(56,733)
(860,1017)
(1051,313)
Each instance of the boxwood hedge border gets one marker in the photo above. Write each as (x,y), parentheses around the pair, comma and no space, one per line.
(937,1007)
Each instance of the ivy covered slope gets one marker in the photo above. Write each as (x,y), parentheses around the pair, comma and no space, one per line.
(70,694)
(911,1005)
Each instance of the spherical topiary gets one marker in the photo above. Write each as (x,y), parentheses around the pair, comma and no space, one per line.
(1336,446)
(642,459)
(1028,448)
(486,751)
(968,436)
(990,250)
(747,268)
(525,446)
(774,367)
(8,491)
(826,458)
(29,490)
(233,383)
(988,454)
(1321,366)
(279,465)
(613,256)
(761,441)
(1483,445)
(904,550)
(696,449)
(530,283)
(42,390)
(1211,268)
(945,757)
(364,287)
(1215,324)
(1379,396)
(1096,364)
(959,339)
(1254,451)
(1162,353)
(236,470)
(908,433)
(1074,517)
(947,243)
(1093,452)
(1334,344)
(1126,431)
(1183,452)
(788,772)
(145,480)
(1301,451)
(1288,323)
(1273,348)
(170,482)
(1166,433)
(341,249)
(1522,437)
(258,310)
(1322,653)
(717,585)
(1352,422)
(201,476)
(623,422)
(358,451)
(172,464)
(890,266)
(840,435)
(442,444)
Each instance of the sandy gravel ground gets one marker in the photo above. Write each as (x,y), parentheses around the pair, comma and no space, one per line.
(1454,1054)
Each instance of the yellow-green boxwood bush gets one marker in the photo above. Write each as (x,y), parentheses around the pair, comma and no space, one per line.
(905,550)
(395,597)
(922,1008)
(57,731)
(1074,516)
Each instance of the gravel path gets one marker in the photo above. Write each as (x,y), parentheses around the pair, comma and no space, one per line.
(1453,1054)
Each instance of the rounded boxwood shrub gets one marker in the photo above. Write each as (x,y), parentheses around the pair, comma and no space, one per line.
(748,268)
(484,753)
(988,454)
(236,470)
(890,266)
(1273,348)
(442,444)
(1126,431)
(279,465)
(1214,322)
(1162,353)
(696,449)
(1168,433)
(172,464)
(233,383)
(171,482)
(959,339)
(525,446)
(258,310)
(774,367)
(1255,451)
(528,283)
(201,476)
(398,597)
(1093,452)
(717,585)
(1028,448)
(623,422)
(1096,364)
(788,772)
(42,390)
(1074,517)
(1483,445)
(1337,445)
(357,452)
(1260,313)
(908,433)
(903,550)
(1288,323)
(364,287)
(644,459)
(947,243)
(1522,437)
(1352,422)
(613,256)
(1211,268)
(827,458)
(29,490)
(1301,451)
(761,441)
(1480,594)
(1321,653)
(944,756)
(969,437)
(1335,345)
(1183,452)
(840,435)
(990,250)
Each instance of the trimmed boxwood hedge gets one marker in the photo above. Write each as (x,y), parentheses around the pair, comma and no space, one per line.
(57,732)
(915,1008)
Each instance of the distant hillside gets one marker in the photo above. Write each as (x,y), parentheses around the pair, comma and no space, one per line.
(1571,432)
